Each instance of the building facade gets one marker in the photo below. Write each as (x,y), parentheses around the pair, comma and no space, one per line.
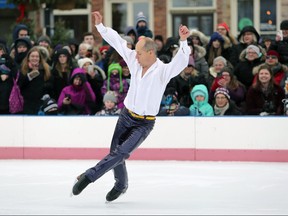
(164,16)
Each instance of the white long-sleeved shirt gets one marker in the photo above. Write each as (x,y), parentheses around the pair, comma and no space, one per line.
(145,93)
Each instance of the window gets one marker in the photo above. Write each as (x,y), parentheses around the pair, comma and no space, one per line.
(201,22)
(125,13)
(268,15)
(245,13)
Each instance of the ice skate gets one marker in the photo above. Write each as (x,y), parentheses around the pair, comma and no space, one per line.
(114,194)
(81,183)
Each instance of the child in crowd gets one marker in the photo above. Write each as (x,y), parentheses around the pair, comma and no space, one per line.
(200,106)
(115,83)
(110,105)
(49,106)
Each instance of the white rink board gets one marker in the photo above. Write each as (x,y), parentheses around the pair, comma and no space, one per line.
(169,132)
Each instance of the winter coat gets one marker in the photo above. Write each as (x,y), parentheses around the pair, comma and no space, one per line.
(244,69)
(81,97)
(34,90)
(202,108)
(257,102)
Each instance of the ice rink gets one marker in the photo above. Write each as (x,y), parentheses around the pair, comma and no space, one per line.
(36,187)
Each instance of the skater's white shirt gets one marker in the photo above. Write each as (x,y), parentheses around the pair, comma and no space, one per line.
(145,93)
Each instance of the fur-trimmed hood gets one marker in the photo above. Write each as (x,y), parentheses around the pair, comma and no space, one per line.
(278,67)
(202,37)
(262,51)
(199,52)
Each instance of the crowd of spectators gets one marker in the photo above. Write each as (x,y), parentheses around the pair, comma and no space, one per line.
(225,75)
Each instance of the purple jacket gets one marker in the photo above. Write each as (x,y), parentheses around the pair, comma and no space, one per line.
(80,96)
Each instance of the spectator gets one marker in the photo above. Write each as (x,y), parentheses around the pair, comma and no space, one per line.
(62,69)
(35,80)
(218,46)
(224,30)
(49,106)
(103,52)
(125,71)
(237,90)
(248,36)
(160,44)
(251,57)
(280,71)
(185,81)
(199,38)
(170,105)
(45,41)
(85,50)
(142,26)
(95,76)
(22,47)
(115,83)
(76,97)
(200,106)
(7,73)
(215,70)
(110,105)
(282,42)
(265,97)
(20,31)
(132,32)
(223,106)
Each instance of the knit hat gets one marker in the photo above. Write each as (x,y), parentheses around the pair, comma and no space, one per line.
(103,48)
(273,53)
(224,91)
(224,25)
(82,61)
(44,38)
(254,48)
(110,96)
(284,25)
(141,17)
(216,36)
(48,103)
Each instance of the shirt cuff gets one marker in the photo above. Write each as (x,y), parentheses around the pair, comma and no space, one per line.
(101,28)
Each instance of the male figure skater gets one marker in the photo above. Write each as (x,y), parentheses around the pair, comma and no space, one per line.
(149,77)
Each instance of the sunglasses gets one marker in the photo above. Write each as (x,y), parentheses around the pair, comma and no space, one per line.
(271,57)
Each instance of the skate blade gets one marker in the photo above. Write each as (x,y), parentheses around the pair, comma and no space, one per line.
(71,193)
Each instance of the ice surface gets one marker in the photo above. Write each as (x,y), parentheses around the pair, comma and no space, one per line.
(155,187)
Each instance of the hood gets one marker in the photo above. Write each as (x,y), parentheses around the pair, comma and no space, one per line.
(199,88)
(16,30)
(248,29)
(80,72)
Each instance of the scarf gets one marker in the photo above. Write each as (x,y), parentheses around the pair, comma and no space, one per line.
(220,110)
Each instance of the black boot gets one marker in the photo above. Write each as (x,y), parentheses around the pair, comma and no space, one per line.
(82,183)
(114,194)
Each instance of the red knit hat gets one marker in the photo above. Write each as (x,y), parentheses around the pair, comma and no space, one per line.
(273,53)
(224,25)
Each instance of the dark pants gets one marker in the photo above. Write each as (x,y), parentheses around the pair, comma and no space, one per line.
(129,133)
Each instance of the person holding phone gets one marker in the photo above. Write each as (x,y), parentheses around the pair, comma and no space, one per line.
(149,77)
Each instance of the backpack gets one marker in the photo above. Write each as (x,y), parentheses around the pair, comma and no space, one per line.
(16,101)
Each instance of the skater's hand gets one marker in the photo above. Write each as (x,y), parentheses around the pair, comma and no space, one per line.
(98,17)
(183,32)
